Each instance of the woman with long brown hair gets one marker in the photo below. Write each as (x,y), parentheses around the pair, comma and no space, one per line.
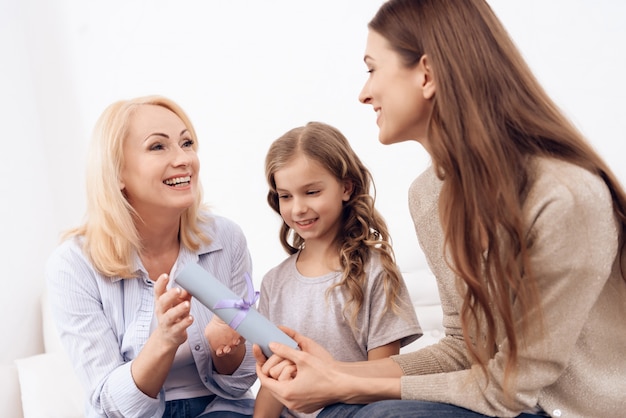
(521,222)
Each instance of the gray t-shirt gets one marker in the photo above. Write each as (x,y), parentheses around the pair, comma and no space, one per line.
(291,299)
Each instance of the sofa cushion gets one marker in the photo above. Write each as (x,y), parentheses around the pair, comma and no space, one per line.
(49,387)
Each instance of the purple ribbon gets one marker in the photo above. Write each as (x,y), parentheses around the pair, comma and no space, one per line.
(242,304)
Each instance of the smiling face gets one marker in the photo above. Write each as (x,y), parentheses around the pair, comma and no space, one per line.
(311,200)
(401,96)
(160,162)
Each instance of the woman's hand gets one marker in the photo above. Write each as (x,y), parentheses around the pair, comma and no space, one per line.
(222,338)
(152,365)
(172,308)
(303,380)
(227,346)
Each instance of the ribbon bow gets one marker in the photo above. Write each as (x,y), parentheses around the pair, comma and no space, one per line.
(242,304)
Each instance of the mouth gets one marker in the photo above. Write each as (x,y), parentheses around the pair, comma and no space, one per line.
(378,111)
(306,222)
(178,181)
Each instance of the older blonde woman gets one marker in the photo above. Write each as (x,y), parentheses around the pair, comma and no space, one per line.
(142,346)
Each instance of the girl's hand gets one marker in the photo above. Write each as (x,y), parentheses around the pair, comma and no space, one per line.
(303,380)
(222,338)
(172,309)
(275,367)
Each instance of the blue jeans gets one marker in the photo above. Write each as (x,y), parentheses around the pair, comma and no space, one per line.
(402,409)
(192,408)
(225,414)
(186,408)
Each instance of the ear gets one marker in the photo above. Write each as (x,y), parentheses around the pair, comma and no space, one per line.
(348,188)
(426,78)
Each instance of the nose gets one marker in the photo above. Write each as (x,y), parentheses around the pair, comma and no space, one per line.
(364,95)
(298,206)
(182,157)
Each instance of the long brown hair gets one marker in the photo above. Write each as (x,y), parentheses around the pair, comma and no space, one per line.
(363,230)
(490,116)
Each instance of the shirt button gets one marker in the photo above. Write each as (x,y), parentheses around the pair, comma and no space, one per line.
(197,348)
(556,413)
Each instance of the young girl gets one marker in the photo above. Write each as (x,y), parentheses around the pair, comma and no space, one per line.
(340,285)
(520,220)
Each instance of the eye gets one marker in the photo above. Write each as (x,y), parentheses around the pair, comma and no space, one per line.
(312,192)
(283,196)
(188,143)
(156,147)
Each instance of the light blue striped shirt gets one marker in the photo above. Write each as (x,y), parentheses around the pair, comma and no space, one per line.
(104,322)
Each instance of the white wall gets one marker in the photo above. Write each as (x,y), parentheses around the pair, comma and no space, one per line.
(246,72)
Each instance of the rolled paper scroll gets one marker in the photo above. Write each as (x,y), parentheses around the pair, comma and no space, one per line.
(239,313)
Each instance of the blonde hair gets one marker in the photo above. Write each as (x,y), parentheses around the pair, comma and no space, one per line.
(110,235)
(363,230)
(490,116)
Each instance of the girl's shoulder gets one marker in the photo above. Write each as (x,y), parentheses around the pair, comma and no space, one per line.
(285,267)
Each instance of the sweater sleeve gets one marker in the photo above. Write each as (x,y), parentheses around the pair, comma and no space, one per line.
(572,238)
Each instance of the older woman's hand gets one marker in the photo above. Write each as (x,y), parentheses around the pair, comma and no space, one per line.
(222,338)
(172,309)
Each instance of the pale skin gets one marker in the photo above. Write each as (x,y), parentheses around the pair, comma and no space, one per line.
(308,379)
(310,200)
(157,150)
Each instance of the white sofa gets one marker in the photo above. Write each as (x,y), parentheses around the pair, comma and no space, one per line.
(49,387)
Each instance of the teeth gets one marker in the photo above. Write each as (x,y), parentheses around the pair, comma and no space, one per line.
(177,180)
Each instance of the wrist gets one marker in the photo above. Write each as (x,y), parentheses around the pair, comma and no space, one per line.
(363,390)
(163,342)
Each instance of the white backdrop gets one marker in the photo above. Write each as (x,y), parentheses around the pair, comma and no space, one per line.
(246,72)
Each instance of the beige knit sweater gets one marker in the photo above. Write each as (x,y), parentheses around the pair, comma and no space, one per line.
(576,365)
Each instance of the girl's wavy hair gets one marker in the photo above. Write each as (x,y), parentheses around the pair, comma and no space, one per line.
(363,230)
(110,237)
(490,116)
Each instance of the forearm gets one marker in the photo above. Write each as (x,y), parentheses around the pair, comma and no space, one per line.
(228,363)
(380,368)
(363,390)
(152,365)
(266,406)
(369,381)
(384,351)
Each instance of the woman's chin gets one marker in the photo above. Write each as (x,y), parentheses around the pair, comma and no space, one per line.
(387,139)
(384,138)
